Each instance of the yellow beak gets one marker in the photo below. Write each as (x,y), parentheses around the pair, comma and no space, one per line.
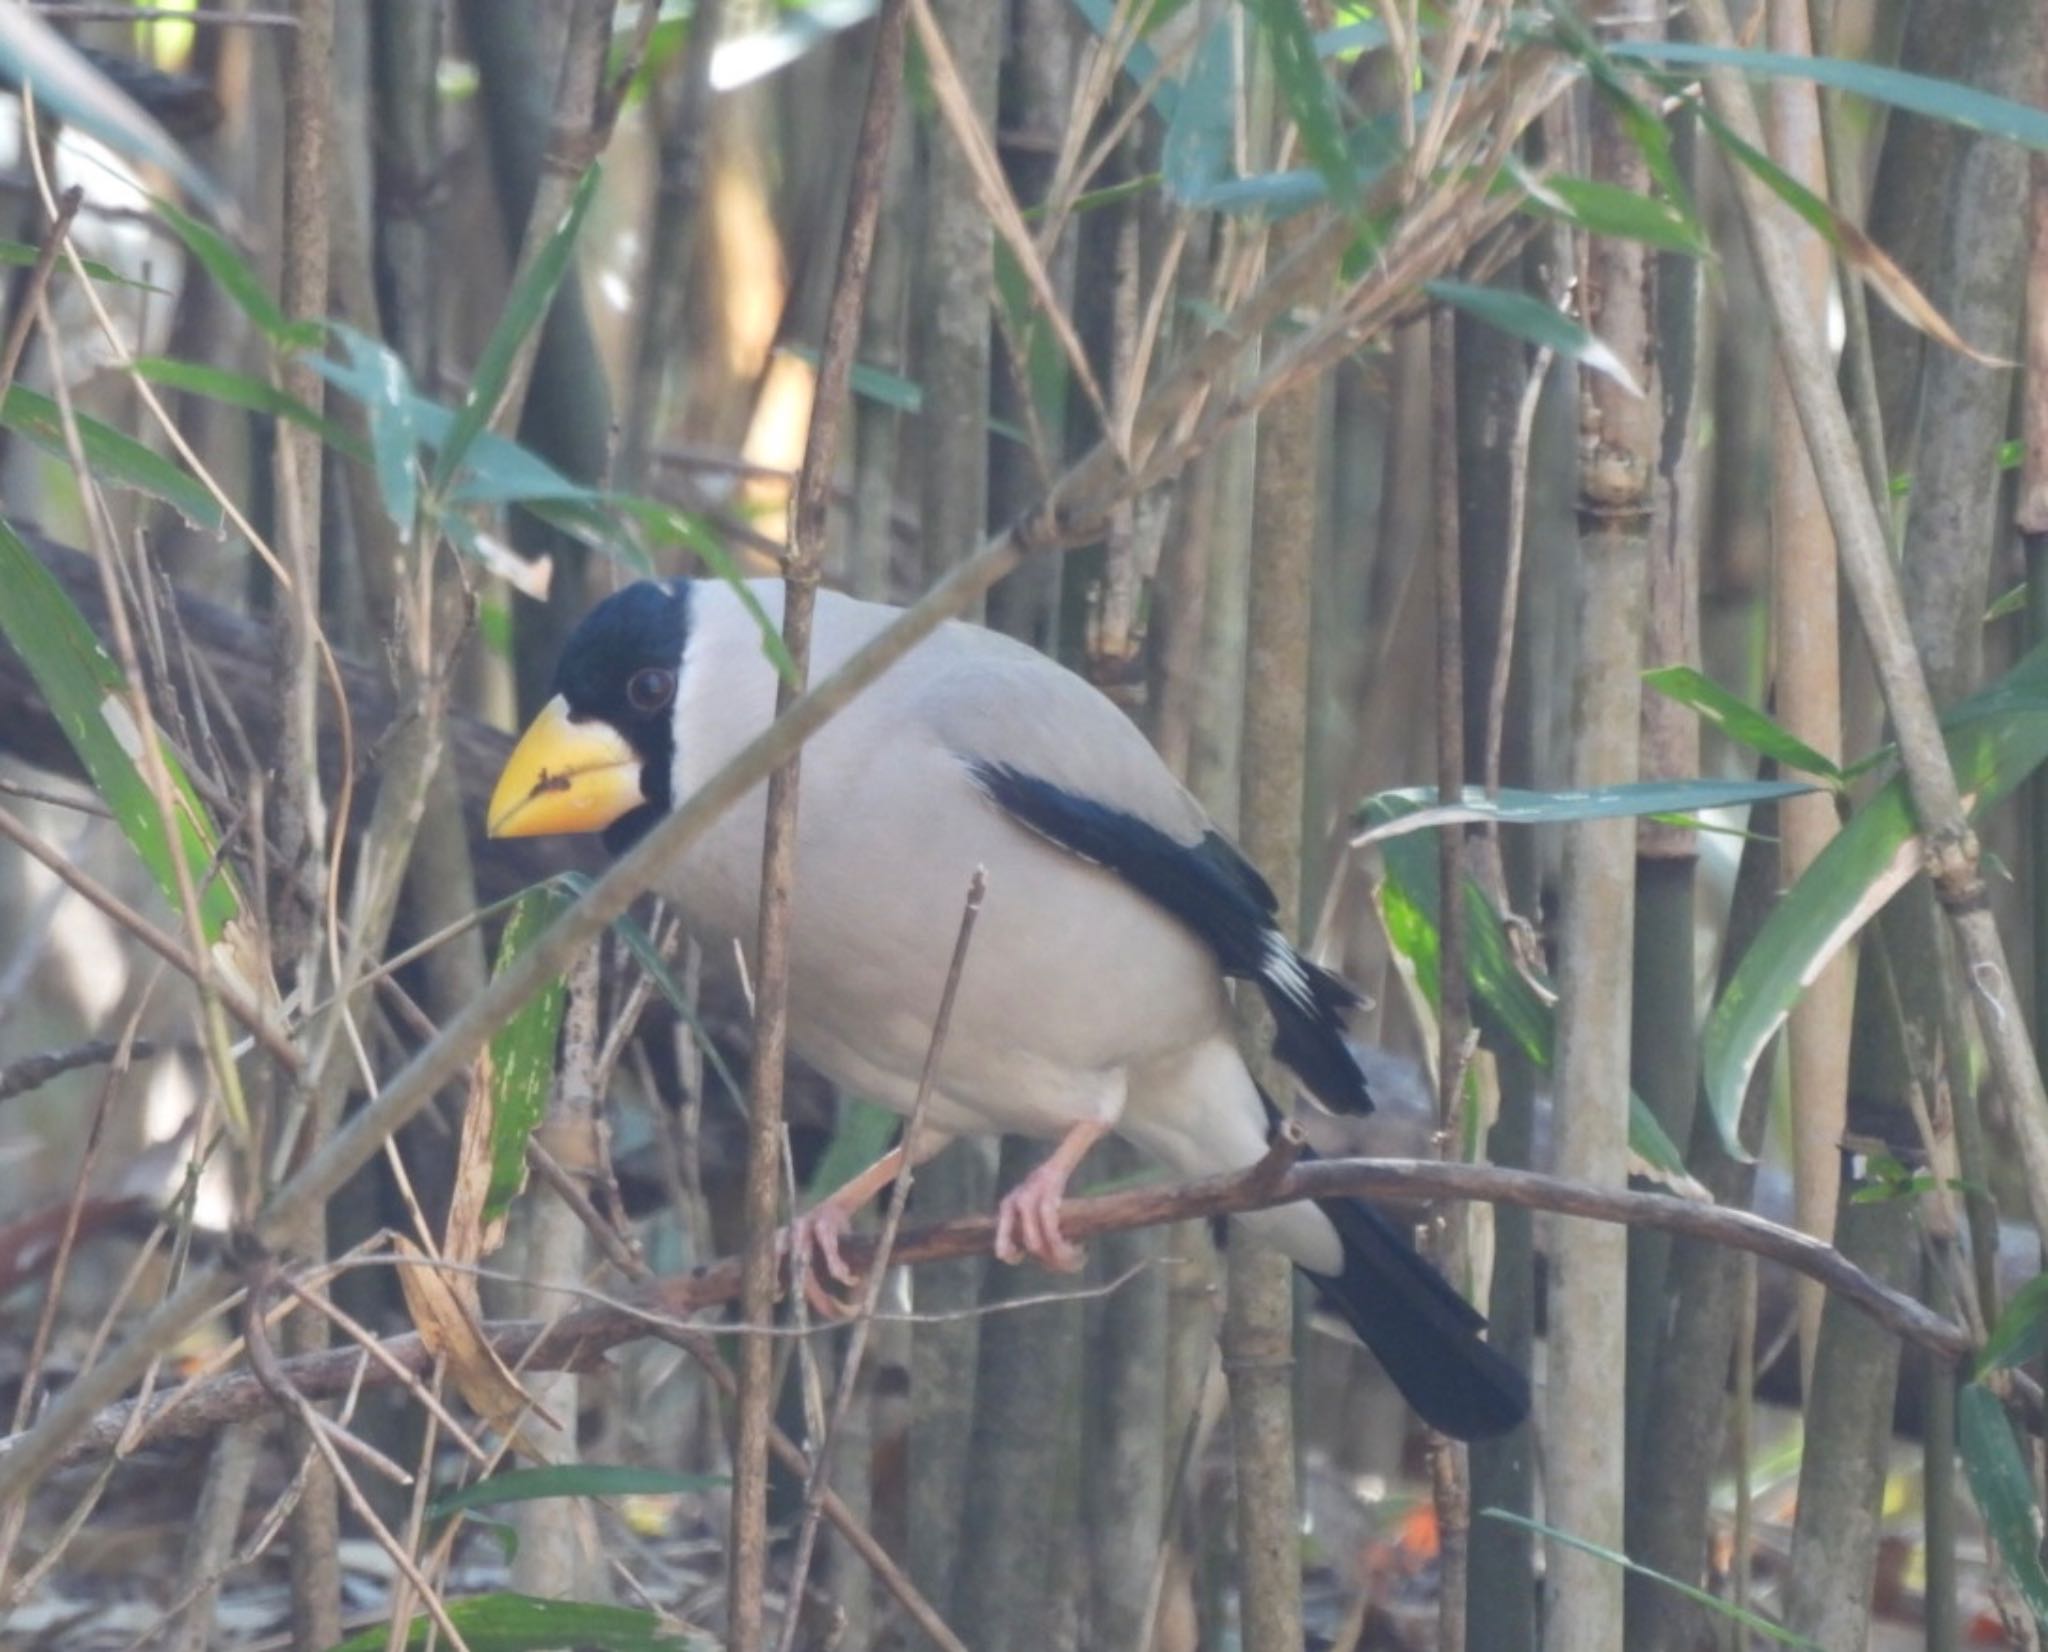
(565,776)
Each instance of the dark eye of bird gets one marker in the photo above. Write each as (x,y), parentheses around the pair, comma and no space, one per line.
(651,690)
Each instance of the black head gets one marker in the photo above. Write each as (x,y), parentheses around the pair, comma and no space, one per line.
(620,666)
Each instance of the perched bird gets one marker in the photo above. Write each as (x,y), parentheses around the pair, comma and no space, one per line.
(1093,999)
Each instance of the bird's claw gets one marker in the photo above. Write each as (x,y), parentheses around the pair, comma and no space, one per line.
(1028,1224)
(811,1244)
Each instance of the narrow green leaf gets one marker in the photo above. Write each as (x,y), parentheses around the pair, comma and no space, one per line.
(1508,1008)
(85,692)
(1525,316)
(865,1133)
(1201,137)
(1739,720)
(20,255)
(525,1485)
(111,456)
(70,87)
(522,1052)
(526,307)
(1713,1603)
(1996,739)
(252,395)
(1602,208)
(1514,807)
(1942,100)
(527,1623)
(2021,1334)
(2004,1489)
(379,380)
(219,258)
(1310,93)
(1141,62)
(2011,602)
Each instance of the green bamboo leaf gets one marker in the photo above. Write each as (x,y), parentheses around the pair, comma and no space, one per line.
(1644,126)
(1513,807)
(1525,316)
(1509,1008)
(111,456)
(239,280)
(527,1623)
(69,86)
(2011,602)
(85,692)
(522,1052)
(19,255)
(2021,1334)
(1712,1602)
(252,395)
(377,377)
(1200,139)
(1602,208)
(525,1485)
(864,1134)
(1141,62)
(2004,1489)
(1310,93)
(1942,100)
(1995,740)
(1739,720)
(526,307)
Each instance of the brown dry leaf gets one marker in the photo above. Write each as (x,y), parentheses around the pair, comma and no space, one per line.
(446,1312)
(1901,295)
(468,1237)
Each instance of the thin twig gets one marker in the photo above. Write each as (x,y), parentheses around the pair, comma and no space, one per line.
(38,280)
(871,1294)
(32,1072)
(801,572)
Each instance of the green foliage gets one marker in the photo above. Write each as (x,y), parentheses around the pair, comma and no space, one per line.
(522,1052)
(1508,1006)
(525,1485)
(2004,1489)
(251,294)
(526,307)
(110,456)
(1527,317)
(1701,1597)
(85,691)
(1996,739)
(526,1623)
(1740,721)
(2021,1335)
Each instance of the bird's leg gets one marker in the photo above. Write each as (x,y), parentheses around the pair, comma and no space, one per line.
(817,1232)
(1028,1219)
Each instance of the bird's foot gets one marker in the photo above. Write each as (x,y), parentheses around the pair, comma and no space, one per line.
(1028,1222)
(811,1243)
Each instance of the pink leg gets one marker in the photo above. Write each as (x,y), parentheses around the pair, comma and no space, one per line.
(813,1238)
(1028,1219)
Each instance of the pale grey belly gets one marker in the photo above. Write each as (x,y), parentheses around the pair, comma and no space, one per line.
(1071,978)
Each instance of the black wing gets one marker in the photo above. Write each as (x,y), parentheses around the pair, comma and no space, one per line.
(1218,895)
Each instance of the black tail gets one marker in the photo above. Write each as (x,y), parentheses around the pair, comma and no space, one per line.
(1309,1007)
(1423,1332)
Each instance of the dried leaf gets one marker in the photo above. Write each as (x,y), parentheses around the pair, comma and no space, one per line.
(446,1313)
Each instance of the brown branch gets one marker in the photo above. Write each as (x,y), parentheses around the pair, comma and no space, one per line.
(801,572)
(577,1338)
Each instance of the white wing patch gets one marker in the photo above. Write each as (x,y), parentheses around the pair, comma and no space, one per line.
(1282,969)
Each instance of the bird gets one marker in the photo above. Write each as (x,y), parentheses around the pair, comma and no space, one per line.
(1094,999)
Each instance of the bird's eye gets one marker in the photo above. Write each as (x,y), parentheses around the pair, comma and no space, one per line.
(651,690)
